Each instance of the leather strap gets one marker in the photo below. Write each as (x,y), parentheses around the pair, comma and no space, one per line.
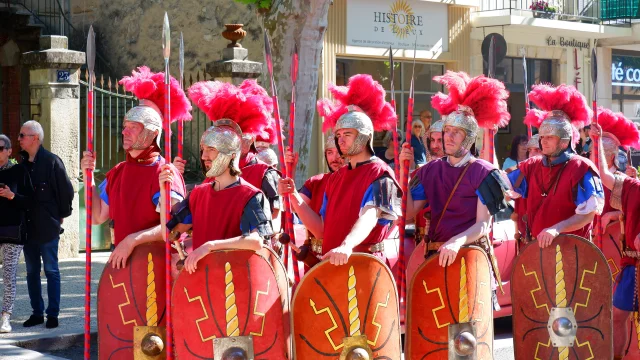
(455,187)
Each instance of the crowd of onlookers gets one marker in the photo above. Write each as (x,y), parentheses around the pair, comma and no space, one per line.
(35,197)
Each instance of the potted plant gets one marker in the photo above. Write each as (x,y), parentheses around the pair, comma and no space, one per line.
(542,9)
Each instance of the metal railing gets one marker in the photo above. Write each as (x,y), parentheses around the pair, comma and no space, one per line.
(590,11)
(111,103)
(51,14)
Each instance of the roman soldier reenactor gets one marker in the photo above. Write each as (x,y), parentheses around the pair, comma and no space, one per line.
(312,191)
(225,212)
(453,184)
(434,141)
(130,193)
(623,193)
(359,201)
(563,191)
(520,208)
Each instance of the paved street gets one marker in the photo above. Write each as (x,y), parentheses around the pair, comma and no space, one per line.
(65,342)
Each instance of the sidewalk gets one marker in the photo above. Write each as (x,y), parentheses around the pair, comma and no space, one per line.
(39,338)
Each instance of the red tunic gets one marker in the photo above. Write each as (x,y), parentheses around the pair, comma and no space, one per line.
(345,191)
(253,171)
(630,201)
(211,219)
(317,185)
(543,212)
(521,211)
(130,188)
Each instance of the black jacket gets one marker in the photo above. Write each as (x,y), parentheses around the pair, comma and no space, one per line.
(53,196)
(13,212)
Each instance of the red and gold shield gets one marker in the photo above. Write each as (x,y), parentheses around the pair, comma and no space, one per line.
(283,287)
(612,250)
(443,299)
(232,293)
(129,297)
(571,276)
(415,260)
(334,304)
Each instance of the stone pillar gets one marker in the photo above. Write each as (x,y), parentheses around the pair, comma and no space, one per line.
(55,103)
(234,66)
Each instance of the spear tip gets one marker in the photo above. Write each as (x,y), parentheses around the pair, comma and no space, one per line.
(166,37)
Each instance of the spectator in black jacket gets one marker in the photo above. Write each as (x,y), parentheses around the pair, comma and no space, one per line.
(15,196)
(52,203)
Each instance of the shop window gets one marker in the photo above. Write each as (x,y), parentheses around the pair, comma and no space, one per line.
(625,81)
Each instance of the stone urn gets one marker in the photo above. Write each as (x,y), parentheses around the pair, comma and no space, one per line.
(234,33)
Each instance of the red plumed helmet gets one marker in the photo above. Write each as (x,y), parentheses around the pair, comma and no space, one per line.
(149,87)
(366,95)
(618,128)
(565,98)
(486,97)
(248,105)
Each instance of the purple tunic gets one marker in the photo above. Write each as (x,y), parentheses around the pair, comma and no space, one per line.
(438,179)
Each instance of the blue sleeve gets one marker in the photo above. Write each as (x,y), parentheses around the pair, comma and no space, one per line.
(523,188)
(589,186)
(418,193)
(306,192)
(368,199)
(174,195)
(188,220)
(480,197)
(323,208)
(103,191)
(508,162)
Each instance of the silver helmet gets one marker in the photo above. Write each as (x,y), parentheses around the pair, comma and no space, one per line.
(149,115)
(356,119)
(436,126)
(247,141)
(534,142)
(262,145)
(330,143)
(464,119)
(226,136)
(268,156)
(557,123)
(610,143)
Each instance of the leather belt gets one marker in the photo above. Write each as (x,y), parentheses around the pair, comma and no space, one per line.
(316,245)
(631,254)
(434,245)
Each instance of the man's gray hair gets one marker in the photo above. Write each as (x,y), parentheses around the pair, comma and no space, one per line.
(6,142)
(35,127)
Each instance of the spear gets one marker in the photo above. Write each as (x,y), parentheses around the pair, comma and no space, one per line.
(181,121)
(88,191)
(404,183)
(396,145)
(288,226)
(292,121)
(526,90)
(594,105)
(166,53)
(491,72)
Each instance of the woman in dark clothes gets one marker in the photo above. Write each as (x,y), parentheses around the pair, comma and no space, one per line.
(15,194)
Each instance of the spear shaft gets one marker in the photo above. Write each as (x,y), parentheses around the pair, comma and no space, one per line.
(292,121)
(181,121)
(88,189)
(596,151)
(396,145)
(288,217)
(166,52)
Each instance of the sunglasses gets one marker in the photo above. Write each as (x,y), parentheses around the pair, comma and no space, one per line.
(21,135)
(2,148)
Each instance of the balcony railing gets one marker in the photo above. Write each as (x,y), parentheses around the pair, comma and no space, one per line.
(589,11)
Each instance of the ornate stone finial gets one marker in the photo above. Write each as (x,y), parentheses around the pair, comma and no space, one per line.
(234,33)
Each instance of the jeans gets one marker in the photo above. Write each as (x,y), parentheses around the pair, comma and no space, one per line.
(49,253)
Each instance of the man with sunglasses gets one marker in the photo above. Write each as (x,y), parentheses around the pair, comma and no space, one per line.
(52,203)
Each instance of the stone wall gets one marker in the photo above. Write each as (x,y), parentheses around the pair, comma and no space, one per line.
(129,32)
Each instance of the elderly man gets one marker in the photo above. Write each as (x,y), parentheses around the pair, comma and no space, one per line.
(54,194)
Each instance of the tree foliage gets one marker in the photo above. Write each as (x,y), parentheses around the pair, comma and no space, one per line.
(262,4)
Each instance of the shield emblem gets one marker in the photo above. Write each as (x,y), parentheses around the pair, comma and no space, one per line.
(340,310)
(562,301)
(131,297)
(449,307)
(233,293)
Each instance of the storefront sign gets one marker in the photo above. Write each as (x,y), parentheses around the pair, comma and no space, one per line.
(625,71)
(566,42)
(397,23)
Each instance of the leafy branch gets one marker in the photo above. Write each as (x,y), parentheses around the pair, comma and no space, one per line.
(262,4)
